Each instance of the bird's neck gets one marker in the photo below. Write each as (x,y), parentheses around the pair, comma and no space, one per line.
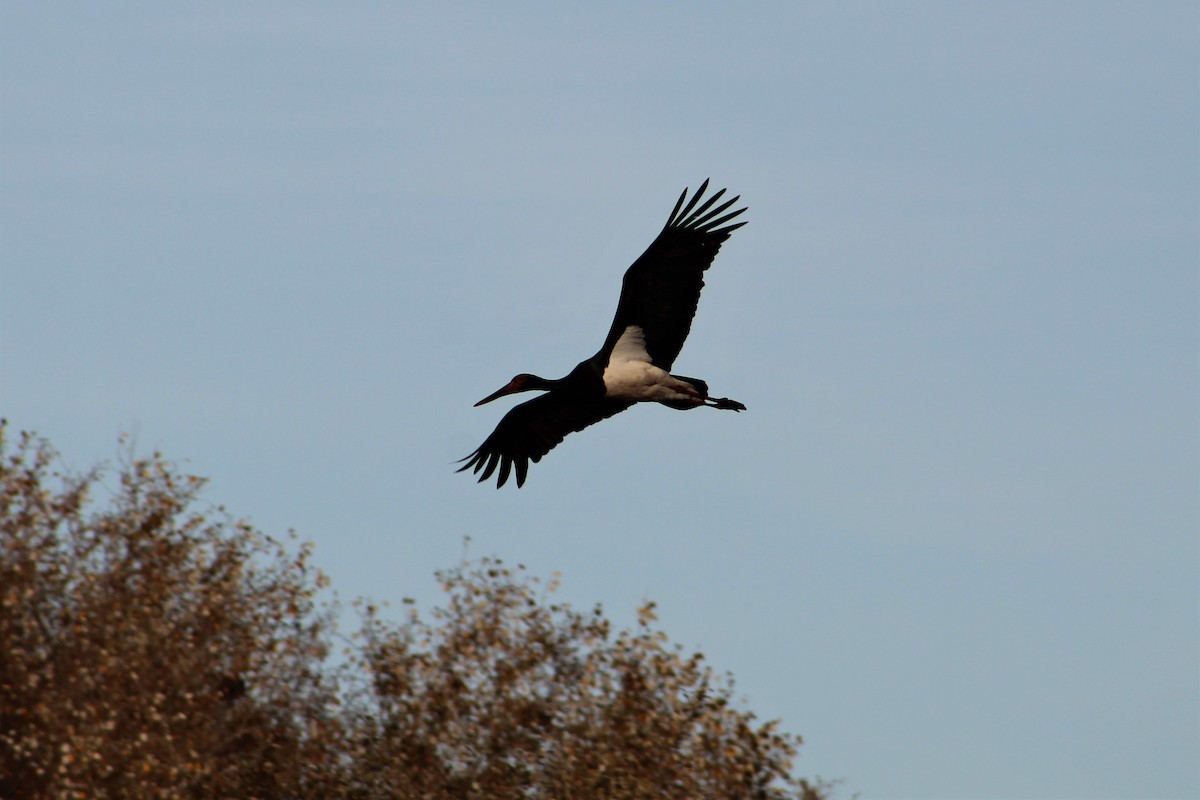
(537,382)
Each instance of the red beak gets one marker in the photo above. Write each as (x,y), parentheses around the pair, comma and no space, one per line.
(508,389)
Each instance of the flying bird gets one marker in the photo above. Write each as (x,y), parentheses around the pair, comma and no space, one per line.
(658,300)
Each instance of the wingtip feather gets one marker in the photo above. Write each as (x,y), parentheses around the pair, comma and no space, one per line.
(700,222)
(691,203)
(711,227)
(675,210)
(696,215)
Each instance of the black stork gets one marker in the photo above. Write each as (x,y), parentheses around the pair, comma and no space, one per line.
(658,300)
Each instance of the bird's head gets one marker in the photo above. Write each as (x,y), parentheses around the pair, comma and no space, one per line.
(520,383)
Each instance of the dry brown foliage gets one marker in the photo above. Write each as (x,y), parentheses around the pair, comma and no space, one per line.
(147,650)
(151,650)
(506,695)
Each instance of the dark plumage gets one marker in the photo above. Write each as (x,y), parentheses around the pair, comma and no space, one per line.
(654,315)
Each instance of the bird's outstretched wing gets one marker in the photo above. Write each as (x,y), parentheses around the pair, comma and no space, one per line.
(661,289)
(532,429)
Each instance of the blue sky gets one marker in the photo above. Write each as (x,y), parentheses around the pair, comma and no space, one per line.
(953,542)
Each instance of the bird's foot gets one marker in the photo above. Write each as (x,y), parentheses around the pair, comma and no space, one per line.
(726,403)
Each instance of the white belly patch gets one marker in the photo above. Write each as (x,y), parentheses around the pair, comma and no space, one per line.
(631,376)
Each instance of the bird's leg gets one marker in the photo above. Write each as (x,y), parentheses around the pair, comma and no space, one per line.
(692,394)
(716,402)
(726,403)
(702,399)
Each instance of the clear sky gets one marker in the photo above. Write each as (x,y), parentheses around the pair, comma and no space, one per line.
(953,542)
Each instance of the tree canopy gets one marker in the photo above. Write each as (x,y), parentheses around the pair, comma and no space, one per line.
(154,646)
